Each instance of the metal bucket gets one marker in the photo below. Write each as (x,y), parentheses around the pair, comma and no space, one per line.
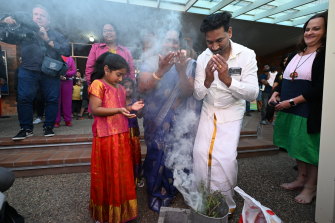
(196,217)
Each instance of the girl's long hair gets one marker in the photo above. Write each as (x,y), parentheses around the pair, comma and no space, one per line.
(113,61)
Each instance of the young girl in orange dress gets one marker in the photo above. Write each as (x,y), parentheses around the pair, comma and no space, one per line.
(113,195)
(134,131)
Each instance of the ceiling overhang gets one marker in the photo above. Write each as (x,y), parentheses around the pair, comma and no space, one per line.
(281,12)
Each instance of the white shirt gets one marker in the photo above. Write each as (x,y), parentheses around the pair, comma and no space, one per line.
(272,78)
(228,104)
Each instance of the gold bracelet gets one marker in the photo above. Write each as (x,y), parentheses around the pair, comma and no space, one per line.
(155,76)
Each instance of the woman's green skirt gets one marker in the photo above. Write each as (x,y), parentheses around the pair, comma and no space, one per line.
(290,133)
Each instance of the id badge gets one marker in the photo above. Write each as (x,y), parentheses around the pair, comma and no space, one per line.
(235,71)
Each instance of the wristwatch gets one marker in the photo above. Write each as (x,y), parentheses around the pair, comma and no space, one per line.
(292,102)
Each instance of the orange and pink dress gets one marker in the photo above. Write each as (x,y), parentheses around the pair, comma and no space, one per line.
(113,194)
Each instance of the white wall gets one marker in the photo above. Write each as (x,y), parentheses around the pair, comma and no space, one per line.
(325,211)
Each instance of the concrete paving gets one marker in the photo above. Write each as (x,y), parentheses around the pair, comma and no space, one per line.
(64,198)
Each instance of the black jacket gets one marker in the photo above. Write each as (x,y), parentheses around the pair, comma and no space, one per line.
(34,48)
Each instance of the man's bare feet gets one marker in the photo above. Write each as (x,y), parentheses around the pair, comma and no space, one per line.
(307,195)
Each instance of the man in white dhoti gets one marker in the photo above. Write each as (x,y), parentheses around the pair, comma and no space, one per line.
(226,76)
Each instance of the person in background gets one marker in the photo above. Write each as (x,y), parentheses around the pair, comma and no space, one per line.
(77,99)
(279,77)
(108,44)
(65,97)
(247,108)
(266,93)
(188,42)
(46,41)
(113,195)
(134,131)
(226,77)
(269,114)
(276,77)
(148,44)
(3,76)
(84,101)
(298,121)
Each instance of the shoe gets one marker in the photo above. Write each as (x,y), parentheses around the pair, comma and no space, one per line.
(140,182)
(37,121)
(247,114)
(23,133)
(48,131)
(264,122)
(69,123)
(57,124)
(80,117)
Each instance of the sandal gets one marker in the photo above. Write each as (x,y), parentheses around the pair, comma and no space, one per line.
(307,195)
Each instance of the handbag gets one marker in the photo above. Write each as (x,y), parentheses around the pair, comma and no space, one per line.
(53,67)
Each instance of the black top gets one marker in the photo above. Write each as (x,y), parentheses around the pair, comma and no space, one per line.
(314,93)
(267,88)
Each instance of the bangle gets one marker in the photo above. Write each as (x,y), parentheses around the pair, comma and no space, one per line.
(155,76)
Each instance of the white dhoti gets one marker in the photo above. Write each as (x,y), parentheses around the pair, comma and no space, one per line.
(215,147)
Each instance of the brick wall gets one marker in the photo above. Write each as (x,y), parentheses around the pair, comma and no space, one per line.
(8,102)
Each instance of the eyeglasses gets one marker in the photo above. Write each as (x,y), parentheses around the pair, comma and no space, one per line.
(108,30)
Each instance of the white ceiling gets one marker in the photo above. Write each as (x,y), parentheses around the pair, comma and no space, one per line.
(281,12)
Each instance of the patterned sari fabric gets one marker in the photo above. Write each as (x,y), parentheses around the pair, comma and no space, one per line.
(113,195)
(161,107)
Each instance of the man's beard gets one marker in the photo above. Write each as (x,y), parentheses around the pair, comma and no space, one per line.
(219,51)
(222,50)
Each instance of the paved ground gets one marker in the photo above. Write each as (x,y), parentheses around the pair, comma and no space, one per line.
(10,127)
(64,198)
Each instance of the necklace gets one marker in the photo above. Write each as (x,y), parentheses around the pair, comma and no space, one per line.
(294,74)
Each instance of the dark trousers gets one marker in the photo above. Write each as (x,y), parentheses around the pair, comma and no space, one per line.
(270,111)
(39,105)
(265,99)
(31,83)
(76,106)
(247,106)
